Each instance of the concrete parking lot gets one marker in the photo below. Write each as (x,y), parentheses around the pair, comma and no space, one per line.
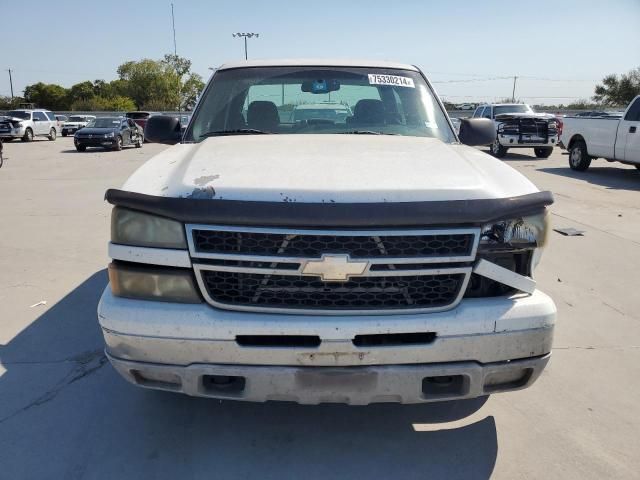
(65,413)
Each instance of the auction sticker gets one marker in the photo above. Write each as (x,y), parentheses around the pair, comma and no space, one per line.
(376,79)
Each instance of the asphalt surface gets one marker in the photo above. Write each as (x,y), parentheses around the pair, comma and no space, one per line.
(65,413)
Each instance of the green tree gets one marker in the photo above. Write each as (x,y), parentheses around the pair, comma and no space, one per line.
(96,103)
(189,84)
(7,104)
(150,82)
(618,91)
(46,95)
(166,84)
(190,90)
(81,91)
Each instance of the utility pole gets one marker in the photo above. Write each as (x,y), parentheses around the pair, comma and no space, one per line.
(10,83)
(513,94)
(245,36)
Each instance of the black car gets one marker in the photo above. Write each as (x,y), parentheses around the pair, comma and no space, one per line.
(109,132)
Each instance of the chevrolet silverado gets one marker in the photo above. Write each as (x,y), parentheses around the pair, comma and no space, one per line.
(372,258)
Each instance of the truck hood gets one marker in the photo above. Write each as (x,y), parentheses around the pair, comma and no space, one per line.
(327,168)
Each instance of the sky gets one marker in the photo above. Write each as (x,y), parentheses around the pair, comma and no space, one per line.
(471,50)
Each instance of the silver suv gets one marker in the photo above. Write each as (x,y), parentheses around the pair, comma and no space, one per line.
(26,124)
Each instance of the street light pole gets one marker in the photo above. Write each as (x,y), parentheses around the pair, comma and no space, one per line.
(513,94)
(245,36)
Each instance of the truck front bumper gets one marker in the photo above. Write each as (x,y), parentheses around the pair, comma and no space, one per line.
(13,133)
(517,141)
(482,346)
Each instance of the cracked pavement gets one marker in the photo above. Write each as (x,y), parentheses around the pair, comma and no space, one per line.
(64,412)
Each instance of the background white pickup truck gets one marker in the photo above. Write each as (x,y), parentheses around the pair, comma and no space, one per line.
(612,138)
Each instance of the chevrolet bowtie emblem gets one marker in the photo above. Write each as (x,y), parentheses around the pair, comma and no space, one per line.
(334,267)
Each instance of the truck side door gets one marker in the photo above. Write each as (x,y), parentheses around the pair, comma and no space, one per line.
(40,123)
(628,136)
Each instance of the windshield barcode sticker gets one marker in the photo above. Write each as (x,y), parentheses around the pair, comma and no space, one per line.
(376,79)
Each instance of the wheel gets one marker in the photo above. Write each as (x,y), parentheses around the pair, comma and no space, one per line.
(497,150)
(81,148)
(543,152)
(28,135)
(118,145)
(64,134)
(578,158)
(52,134)
(140,141)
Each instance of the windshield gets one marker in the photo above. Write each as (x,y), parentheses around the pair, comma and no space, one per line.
(318,100)
(76,119)
(19,114)
(520,108)
(105,122)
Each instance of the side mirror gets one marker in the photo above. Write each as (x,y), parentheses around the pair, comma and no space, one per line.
(476,131)
(163,129)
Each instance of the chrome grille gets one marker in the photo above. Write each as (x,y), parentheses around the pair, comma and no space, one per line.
(282,270)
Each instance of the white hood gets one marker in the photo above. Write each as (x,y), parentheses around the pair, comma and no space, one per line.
(327,168)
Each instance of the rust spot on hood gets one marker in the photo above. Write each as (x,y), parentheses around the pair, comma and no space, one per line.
(202,181)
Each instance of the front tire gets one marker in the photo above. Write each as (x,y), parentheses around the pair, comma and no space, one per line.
(64,134)
(81,148)
(28,135)
(543,152)
(52,134)
(578,158)
(497,150)
(139,142)
(118,144)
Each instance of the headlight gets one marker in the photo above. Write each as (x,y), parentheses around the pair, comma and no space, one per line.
(148,283)
(109,135)
(523,232)
(129,227)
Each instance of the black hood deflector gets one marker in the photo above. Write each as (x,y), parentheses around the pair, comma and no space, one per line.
(338,215)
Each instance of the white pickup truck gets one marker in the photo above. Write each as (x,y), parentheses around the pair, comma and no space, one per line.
(370,258)
(613,138)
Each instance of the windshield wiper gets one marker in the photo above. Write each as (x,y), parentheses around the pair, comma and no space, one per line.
(237,131)
(365,132)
